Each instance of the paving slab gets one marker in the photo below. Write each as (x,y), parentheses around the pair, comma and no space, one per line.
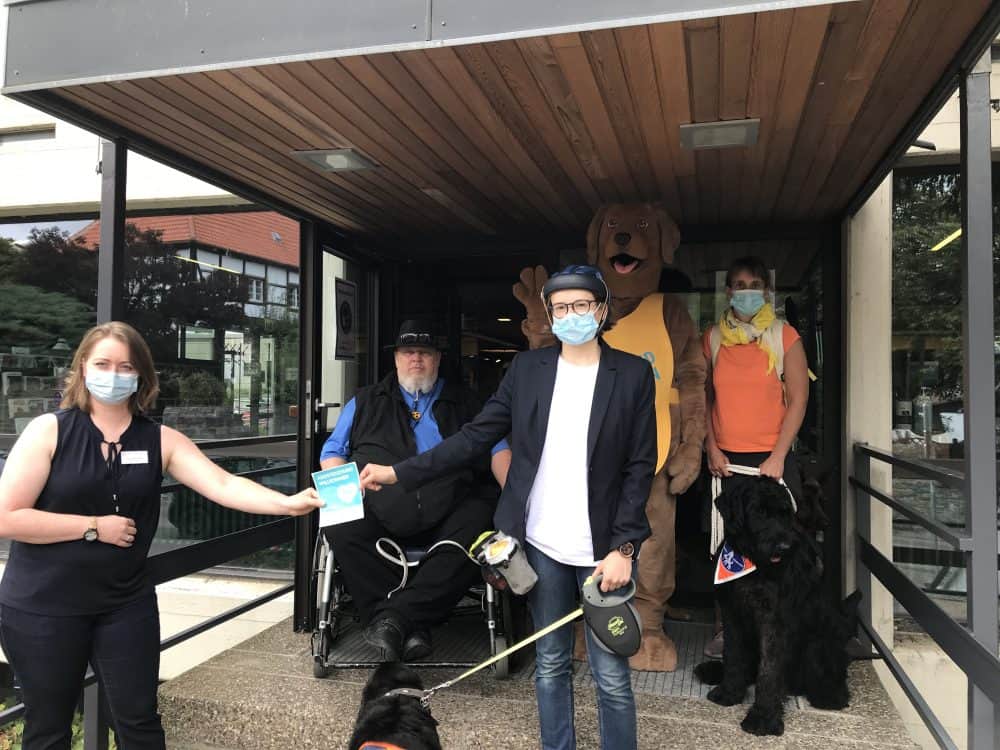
(262,695)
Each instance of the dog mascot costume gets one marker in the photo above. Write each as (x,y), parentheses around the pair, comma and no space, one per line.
(630,244)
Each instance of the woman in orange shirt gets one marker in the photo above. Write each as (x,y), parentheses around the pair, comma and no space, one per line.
(754,415)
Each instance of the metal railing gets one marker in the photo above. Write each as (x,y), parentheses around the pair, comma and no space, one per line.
(978,663)
(168,566)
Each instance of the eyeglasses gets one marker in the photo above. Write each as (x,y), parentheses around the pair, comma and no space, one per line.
(579,306)
(420,339)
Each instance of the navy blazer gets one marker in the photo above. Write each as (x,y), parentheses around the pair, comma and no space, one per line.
(621,444)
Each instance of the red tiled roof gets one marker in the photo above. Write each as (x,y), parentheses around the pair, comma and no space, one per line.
(248,233)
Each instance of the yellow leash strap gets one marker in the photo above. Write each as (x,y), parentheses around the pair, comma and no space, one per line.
(565,620)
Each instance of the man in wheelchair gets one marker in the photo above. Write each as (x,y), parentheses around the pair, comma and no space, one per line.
(410,412)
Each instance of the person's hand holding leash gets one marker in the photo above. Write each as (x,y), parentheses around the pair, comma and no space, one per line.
(373,476)
(718,463)
(773,467)
(617,571)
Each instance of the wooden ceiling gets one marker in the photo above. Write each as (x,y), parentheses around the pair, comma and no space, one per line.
(519,141)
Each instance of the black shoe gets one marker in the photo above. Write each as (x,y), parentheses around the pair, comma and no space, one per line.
(386,634)
(417,645)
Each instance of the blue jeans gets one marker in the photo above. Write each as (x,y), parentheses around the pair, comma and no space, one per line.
(552,597)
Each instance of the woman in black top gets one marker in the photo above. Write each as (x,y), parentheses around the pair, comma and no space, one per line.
(80,497)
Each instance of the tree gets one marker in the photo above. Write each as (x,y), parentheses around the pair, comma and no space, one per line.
(51,260)
(30,316)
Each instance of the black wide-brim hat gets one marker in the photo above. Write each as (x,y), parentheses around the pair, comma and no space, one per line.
(417,333)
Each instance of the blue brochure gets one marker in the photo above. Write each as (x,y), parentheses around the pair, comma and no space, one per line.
(340,490)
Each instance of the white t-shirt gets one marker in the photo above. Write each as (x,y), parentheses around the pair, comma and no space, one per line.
(558,507)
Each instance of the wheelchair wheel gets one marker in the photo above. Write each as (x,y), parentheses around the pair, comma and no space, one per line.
(320,670)
(501,668)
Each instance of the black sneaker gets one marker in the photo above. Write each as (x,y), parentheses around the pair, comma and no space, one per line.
(386,634)
(417,645)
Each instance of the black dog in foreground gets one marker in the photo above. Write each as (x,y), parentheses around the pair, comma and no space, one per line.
(397,721)
(781,631)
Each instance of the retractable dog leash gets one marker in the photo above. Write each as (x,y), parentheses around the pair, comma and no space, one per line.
(611,617)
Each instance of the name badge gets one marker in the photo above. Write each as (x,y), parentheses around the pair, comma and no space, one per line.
(134,457)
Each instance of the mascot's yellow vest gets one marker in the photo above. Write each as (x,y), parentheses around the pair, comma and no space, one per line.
(644,334)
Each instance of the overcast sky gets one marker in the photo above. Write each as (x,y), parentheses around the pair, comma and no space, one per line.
(19,232)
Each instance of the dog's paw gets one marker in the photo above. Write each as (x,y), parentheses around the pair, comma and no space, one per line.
(761,722)
(709,672)
(725,697)
(832,700)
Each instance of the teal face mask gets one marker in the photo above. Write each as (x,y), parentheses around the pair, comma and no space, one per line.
(747,302)
(111,387)
(575,329)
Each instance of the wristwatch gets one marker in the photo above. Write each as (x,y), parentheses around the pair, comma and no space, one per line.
(90,535)
(627,550)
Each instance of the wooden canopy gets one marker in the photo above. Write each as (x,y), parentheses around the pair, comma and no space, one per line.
(519,140)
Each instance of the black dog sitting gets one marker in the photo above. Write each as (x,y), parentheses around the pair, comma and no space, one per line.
(781,632)
(396,721)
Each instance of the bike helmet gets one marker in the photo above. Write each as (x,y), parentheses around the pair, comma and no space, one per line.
(577,277)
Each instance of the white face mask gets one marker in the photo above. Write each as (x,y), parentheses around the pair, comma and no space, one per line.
(111,387)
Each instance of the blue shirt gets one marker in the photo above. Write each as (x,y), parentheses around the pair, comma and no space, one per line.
(425,430)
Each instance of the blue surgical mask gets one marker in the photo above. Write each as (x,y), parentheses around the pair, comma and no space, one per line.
(111,387)
(575,329)
(747,302)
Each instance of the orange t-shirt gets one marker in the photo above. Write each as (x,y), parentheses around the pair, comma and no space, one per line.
(749,404)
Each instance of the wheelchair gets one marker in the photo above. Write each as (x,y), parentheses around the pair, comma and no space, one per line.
(504,618)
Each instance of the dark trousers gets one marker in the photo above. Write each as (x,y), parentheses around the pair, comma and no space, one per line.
(49,655)
(434,587)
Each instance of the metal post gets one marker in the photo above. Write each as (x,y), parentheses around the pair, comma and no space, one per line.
(310,355)
(863,522)
(95,724)
(978,360)
(111,254)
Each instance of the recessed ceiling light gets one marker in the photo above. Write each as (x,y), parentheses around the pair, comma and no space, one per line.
(335,159)
(724,134)
(503,320)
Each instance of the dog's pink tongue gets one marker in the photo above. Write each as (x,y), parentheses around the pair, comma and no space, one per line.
(623,268)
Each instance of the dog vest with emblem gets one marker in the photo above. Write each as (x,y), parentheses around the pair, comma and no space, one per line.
(644,334)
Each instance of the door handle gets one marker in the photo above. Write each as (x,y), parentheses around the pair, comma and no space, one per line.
(319,406)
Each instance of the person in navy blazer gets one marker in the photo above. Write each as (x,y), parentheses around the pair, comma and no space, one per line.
(582,430)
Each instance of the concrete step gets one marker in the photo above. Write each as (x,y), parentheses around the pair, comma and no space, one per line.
(262,695)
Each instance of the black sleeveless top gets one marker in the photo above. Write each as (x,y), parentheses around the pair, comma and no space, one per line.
(80,577)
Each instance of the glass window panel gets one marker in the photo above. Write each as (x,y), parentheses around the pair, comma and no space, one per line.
(221,354)
(232,263)
(277,276)
(207,256)
(293,278)
(276,294)
(48,299)
(254,269)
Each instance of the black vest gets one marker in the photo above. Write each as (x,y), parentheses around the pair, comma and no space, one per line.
(381,434)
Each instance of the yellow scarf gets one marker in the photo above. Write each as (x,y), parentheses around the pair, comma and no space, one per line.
(734,331)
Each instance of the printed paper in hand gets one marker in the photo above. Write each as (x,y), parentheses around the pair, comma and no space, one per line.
(340,490)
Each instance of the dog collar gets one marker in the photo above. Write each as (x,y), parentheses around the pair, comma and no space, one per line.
(380,746)
(424,696)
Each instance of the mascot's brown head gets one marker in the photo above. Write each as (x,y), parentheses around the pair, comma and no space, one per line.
(630,243)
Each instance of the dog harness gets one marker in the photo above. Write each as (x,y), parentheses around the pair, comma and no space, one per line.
(731,564)
(643,333)
(369,745)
